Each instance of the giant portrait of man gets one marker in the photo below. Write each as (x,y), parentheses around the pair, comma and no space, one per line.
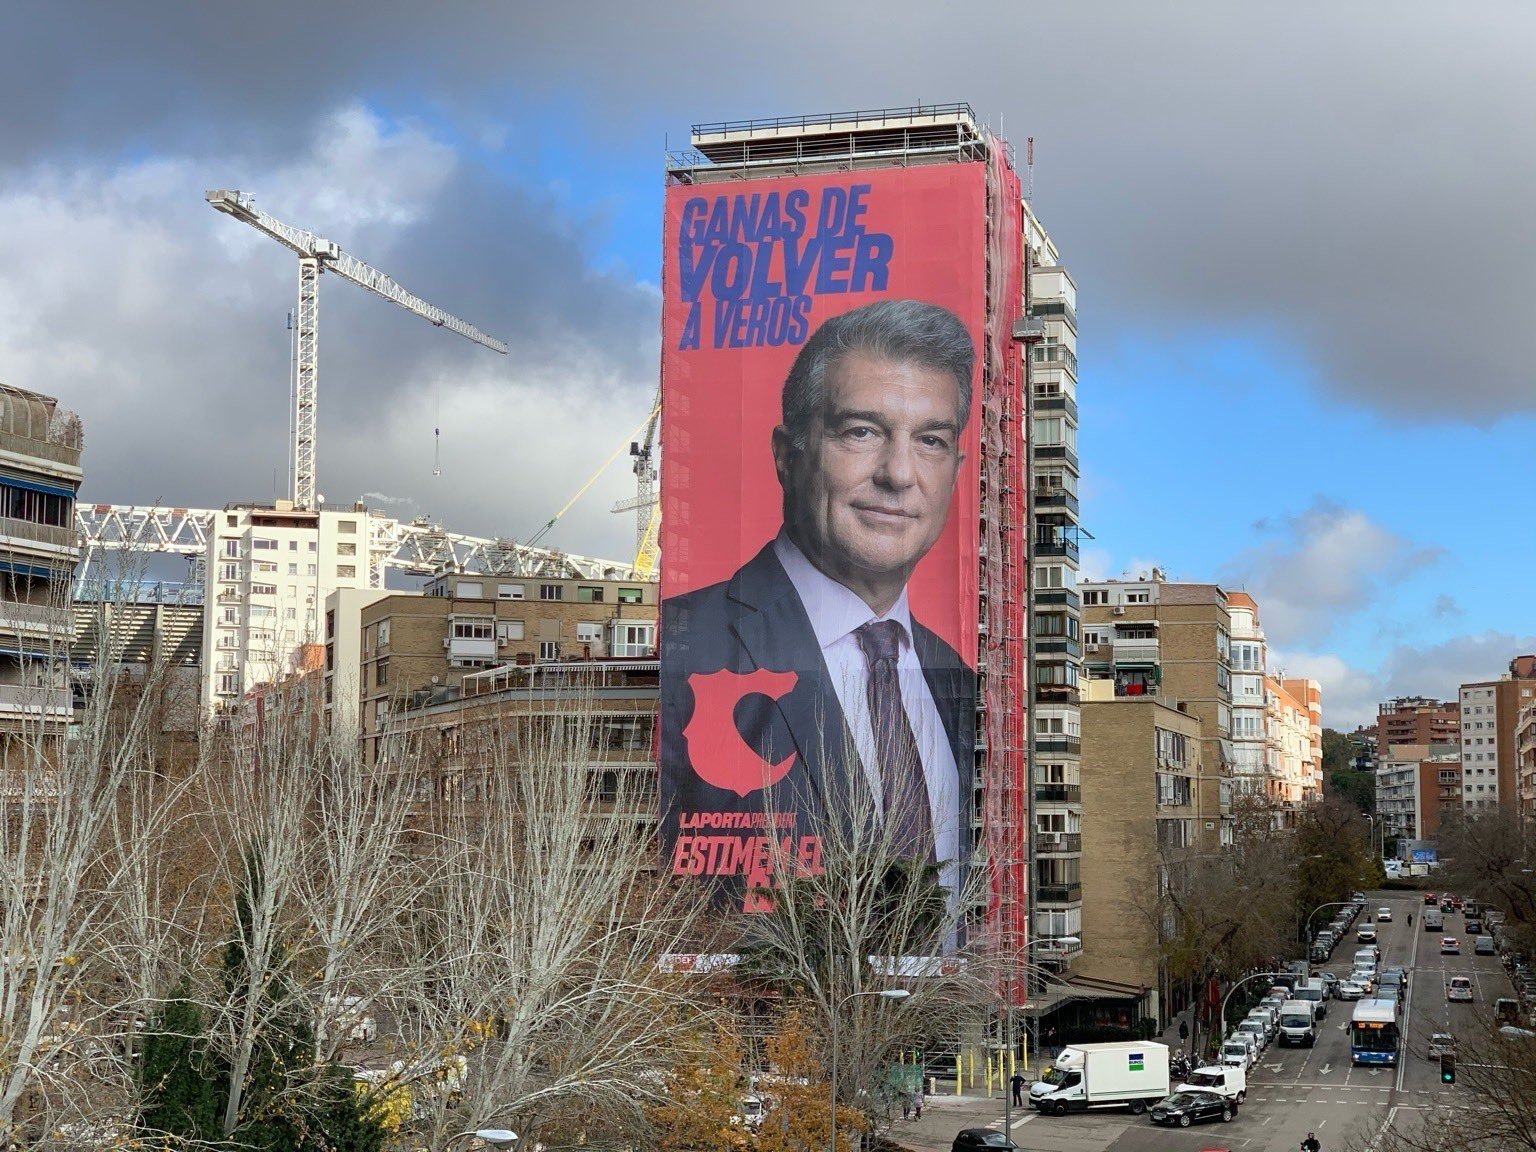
(802,688)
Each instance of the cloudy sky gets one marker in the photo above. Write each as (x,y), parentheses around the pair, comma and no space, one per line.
(1302,237)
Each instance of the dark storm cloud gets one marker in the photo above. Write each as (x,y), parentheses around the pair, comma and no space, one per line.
(1350,181)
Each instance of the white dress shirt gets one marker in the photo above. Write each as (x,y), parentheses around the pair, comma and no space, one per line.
(836,613)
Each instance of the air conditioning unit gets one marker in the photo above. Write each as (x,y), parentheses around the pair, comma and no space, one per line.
(502,641)
(1118,610)
(447,643)
(1043,838)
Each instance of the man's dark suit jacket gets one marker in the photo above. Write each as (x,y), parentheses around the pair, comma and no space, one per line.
(755,620)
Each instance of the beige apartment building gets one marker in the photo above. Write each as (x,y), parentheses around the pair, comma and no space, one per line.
(1141,778)
(447,735)
(421,646)
(1525,759)
(1287,747)
(1154,637)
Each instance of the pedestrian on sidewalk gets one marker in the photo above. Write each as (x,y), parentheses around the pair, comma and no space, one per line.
(1018,1090)
(906,1106)
(1183,1031)
(917,1105)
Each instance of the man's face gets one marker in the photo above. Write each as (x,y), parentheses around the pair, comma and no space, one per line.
(869,493)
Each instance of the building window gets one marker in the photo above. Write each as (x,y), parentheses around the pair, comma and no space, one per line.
(293,569)
(588,633)
(381,672)
(549,649)
(263,589)
(551,592)
(470,590)
(631,595)
(509,591)
(588,594)
(1140,596)
(229,572)
(633,639)
(509,629)
(346,571)
(347,526)
(473,628)
(262,544)
(229,684)
(311,571)
(1095,595)
(383,631)
(346,549)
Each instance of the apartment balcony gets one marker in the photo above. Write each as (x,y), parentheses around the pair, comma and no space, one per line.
(1049,498)
(1058,547)
(1055,401)
(1135,651)
(43,621)
(31,702)
(1059,794)
(1055,454)
(1058,893)
(1058,597)
(1058,646)
(1058,843)
(47,537)
(1069,744)
(1054,949)
(1057,694)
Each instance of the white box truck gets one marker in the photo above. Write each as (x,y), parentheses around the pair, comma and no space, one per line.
(1123,1074)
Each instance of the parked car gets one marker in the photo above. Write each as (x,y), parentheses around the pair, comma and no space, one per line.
(1459,988)
(1258,1029)
(1506,1010)
(1330,982)
(1441,1044)
(982,1140)
(1483,946)
(1186,1108)
(1383,915)
(1450,946)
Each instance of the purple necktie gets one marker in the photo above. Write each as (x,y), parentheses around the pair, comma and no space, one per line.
(905,800)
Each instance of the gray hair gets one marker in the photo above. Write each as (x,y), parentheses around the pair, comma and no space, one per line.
(905,331)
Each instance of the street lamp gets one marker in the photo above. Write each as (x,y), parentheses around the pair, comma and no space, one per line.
(884,994)
(497,1137)
(1372,819)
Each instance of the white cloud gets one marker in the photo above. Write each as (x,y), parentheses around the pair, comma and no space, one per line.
(1350,694)
(1321,567)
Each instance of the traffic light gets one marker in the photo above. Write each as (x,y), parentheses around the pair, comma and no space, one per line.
(1447,1069)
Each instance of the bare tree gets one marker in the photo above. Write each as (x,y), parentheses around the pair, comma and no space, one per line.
(539,924)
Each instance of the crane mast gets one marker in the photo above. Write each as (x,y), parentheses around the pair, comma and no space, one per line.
(317,255)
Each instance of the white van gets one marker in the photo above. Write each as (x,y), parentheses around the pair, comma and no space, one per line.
(1298,1023)
(1367,957)
(1313,991)
(1238,1052)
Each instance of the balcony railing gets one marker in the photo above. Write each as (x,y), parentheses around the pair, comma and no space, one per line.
(27,700)
(1058,893)
(1053,597)
(1053,843)
(1135,651)
(1046,498)
(1057,694)
(1059,744)
(1058,547)
(41,533)
(1050,453)
(36,619)
(1058,793)
(1055,402)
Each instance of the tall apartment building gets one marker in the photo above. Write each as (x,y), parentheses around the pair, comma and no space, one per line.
(422,646)
(1141,773)
(269,570)
(1250,668)
(1525,759)
(1416,784)
(1309,695)
(1152,637)
(1416,720)
(40,474)
(1489,715)
(1057,809)
(1287,746)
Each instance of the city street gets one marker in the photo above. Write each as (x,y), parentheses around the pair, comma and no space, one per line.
(1296,1090)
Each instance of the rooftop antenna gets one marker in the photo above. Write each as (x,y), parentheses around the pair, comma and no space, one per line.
(1029,168)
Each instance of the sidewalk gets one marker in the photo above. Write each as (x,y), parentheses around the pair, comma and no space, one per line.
(943,1116)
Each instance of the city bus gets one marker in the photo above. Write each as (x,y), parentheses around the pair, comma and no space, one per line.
(1374,1037)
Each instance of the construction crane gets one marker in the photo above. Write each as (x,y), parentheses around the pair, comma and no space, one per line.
(645,503)
(317,255)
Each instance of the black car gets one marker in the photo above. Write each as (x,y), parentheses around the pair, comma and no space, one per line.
(1184,1108)
(974,1139)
